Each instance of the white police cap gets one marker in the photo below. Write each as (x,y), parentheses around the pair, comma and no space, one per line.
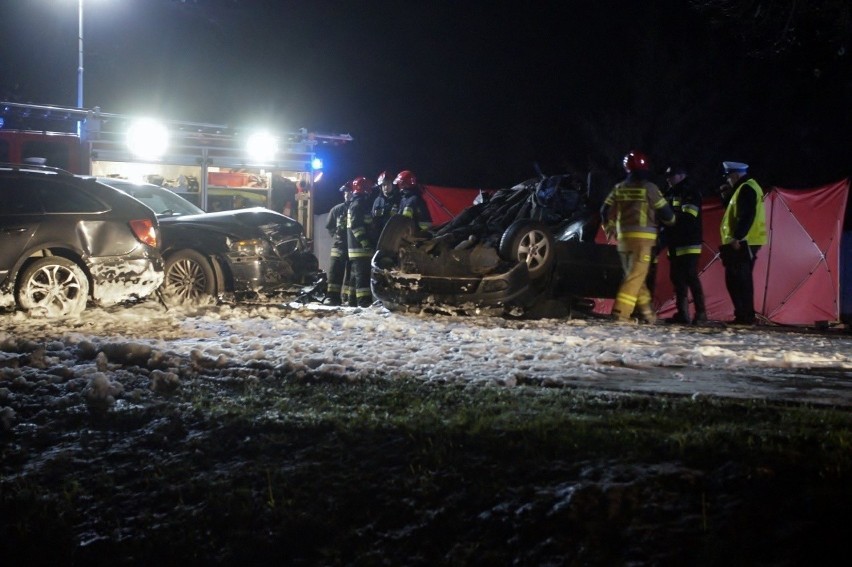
(734,167)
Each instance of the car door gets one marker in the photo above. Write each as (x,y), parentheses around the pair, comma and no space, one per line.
(21,214)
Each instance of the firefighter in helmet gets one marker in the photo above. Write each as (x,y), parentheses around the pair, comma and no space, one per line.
(386,203)
(338,270)
(630,213)
(360,245)
(412,204)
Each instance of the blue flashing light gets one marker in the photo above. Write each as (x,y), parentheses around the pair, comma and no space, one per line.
(2,122)
(316,163)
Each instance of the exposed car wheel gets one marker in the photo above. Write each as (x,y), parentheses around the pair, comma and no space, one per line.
(54,286)
(189,277)
(530,242)
(397,229)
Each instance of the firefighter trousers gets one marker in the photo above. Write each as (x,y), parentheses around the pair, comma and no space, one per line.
(338,277)
(633,292)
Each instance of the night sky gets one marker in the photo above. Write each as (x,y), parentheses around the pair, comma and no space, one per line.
(466,94)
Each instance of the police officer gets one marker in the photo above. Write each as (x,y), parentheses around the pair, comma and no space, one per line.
(386,203)
(743,232)
(630,213)
(684,245)
(360,245)
(338,273)
(411,203)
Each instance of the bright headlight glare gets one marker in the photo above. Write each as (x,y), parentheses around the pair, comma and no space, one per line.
(148,139)
(251,247)
(261,147)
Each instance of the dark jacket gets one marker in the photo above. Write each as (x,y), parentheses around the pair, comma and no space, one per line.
(413,206)
(384,208)
(686,236)
(336,226)
(360,224)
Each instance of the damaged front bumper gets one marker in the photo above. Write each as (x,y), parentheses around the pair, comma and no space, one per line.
(394,287)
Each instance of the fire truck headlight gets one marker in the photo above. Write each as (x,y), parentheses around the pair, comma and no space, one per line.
(147,139)
(261,147)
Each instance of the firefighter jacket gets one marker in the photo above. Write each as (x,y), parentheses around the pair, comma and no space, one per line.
(745,215)
(360,225)
(633,208)
(413,206)
(336,225)
(384,207)
(686,236)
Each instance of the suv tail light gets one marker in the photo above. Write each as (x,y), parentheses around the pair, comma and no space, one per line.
(145,231)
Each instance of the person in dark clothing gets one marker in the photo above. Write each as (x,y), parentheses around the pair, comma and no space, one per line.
(283,195)
(743,232)
(411,203)
(338,272)
(684,241)
(360,245)
(386,203)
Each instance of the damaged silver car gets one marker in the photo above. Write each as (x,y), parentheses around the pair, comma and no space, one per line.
(66,241)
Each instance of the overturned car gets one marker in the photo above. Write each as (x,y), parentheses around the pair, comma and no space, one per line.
(529,249)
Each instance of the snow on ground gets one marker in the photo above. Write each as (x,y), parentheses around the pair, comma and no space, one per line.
(299,341)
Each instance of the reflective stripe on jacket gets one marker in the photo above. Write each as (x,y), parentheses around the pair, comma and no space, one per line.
(634,208)
(686,236)
(359,221)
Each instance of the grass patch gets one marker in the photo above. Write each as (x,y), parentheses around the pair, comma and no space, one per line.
(404,472)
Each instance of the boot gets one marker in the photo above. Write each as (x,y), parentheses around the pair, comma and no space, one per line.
(700,310)
(682,315)
(647,315)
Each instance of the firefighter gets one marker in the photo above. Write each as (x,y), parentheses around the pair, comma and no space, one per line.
(386,203)
(359,223)
(411,203)
(630,213)
(743,232)
(338,271)
(684,245)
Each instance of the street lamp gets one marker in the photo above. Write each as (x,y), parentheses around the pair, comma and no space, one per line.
(80,54)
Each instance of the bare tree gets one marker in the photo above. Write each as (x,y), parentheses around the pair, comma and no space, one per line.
(772,27)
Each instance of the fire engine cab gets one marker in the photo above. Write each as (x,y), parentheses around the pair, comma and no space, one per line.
(215,166)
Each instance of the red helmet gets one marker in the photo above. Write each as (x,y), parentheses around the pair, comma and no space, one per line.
(636,161)
(405,179)
(361,186)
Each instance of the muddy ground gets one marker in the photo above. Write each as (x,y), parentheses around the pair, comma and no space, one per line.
(158,459)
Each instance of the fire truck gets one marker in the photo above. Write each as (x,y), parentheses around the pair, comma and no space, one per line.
(215,166)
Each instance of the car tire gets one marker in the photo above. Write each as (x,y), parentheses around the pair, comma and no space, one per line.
(189,277)
(53,285)
(530,242)
(397,229)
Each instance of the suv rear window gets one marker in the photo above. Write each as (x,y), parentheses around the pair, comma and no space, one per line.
(29,196)
(16,201)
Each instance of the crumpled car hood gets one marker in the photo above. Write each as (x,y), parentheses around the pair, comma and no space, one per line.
(241,222)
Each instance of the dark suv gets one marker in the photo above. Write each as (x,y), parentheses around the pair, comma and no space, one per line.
(65,240)
(240,254)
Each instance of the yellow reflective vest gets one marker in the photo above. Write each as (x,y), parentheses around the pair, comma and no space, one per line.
(757,232)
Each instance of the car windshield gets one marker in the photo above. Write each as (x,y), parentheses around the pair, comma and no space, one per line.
(160,200)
